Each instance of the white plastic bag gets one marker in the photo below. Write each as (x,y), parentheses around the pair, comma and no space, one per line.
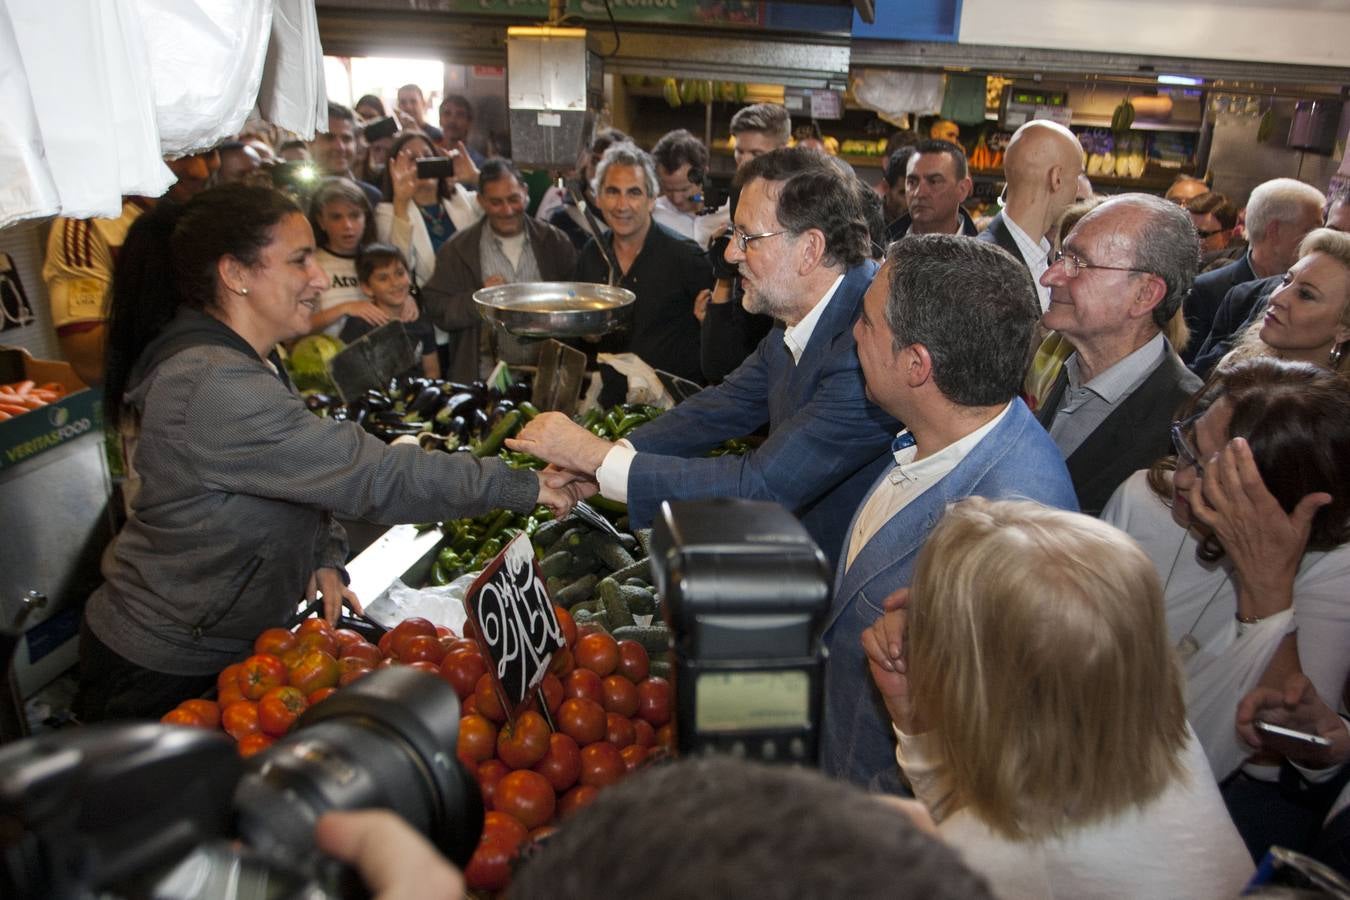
(643,384)
(26,186)
(293,95)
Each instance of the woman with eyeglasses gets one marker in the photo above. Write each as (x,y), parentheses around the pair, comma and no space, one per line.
(1308,316)
(1249,535)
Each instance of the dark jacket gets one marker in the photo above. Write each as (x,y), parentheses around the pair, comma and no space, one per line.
(1239,309)
(997,233)
(1133,436)
(1202,303)
(448,297)
(238,481)
(897,229)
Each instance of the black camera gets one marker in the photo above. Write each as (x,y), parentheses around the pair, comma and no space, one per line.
(745,592)
(436,166)
(149,810)
(380,128)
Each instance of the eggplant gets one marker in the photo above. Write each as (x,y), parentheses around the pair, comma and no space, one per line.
(377,400)
(316,402)
(519,392)
(386,417)
(501,409)
(424,404)
(478,423)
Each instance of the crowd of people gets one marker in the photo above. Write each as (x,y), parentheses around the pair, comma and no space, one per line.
(1083,473)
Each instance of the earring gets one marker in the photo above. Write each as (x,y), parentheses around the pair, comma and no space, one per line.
(1337,351)
(242,292)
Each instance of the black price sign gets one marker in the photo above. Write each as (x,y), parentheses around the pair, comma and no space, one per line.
(514,623)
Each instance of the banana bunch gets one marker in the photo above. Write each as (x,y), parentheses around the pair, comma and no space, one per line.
(1122,117)
(687,91)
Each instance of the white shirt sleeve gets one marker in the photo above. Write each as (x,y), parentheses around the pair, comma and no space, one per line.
(613,472)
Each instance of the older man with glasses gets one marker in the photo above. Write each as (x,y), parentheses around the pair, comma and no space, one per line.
(1118,280)
(801,246)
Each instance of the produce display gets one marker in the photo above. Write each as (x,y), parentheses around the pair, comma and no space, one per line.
(22,396)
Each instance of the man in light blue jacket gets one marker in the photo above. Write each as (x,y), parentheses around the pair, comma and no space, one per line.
(944,338)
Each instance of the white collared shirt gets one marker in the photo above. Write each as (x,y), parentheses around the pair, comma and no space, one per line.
(1035,253)
(798,336)
(613,472)
(907,481)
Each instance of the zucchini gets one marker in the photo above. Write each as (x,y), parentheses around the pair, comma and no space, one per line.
(556,564)
(610,552)
(575,592)
(508,426)
(655,638)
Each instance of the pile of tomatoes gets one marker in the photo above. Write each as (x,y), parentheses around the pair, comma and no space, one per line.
(258,700)
(611,718)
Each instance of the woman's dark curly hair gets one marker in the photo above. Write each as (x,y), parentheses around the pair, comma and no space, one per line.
(1296,417)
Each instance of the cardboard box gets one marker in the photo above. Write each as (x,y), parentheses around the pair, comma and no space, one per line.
(79,412)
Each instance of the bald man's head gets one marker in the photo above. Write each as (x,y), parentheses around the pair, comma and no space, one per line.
(1042,165)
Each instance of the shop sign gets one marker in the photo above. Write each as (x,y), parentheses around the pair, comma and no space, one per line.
(514,623)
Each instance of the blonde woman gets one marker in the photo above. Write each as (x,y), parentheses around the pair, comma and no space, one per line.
(1039,711)
(1308,316)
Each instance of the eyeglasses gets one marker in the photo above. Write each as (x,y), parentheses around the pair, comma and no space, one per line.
(1073,265)
(1186,452)
(743,240)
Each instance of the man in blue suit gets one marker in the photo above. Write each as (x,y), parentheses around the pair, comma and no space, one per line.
(800,242)
(943,340)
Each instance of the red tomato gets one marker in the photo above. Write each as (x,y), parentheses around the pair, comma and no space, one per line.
(319,641)
(275,641)
(588,628)
(620,695)
(601,764)
(229,676)
(561,663)
(569,626)
(504,825)
(465,644)
(654,700)
(320,695)
(346,637)
(524,743)
(491,771)
(250,744)
(279,708)
(488,703)
(206,710)
(633,757)
(447,642)
(408,629)
(489,868)
(260,674)
(634,664)
(575,799)
(469,706)
(353,663)
(351,675)
(584,683)
(551,690)
(445,631)
(477,739)
(240,719)
(421,648)
(362,650)
(314,626)
(528,796)
(644,735)
(665,737)
(231,694)
(292,656)
(598,652)
(386,645)
(180,716)
(316,669)
(582,720)
(542,832)
(423,666)
(619,731)
(561,765)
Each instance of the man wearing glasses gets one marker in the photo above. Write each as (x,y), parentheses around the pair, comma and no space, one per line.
(1118,280)
(801,246)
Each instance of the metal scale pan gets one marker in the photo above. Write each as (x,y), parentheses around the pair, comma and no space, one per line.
(550,309)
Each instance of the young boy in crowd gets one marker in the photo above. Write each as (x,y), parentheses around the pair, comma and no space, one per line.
(382,270)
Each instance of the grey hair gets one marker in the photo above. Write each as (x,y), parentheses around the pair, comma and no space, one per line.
(625,154)
(770,118)
(1165,244)
(1279,200)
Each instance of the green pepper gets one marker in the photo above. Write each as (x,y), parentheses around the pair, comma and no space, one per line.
(508,426)
(502,519)
(439,576)
(592,417)
(448,557)
(628,423)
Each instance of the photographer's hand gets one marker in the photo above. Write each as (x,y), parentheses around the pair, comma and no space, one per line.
(395,861)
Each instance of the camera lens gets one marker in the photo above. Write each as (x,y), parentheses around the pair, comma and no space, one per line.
(385,741)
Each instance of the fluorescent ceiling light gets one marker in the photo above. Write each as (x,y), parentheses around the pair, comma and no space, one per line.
(1180,79)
